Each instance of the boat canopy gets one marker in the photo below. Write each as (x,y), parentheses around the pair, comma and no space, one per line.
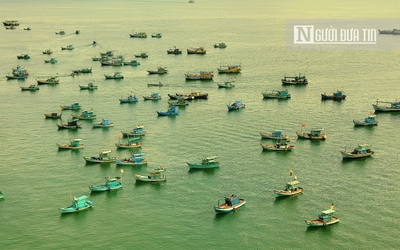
(80,198)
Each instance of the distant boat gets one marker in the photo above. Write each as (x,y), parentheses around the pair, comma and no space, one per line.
(229,68)
(74,106)
(85,115)
(53,115)
(23,56)
(294,80)
(131,98)
(51,60)
(51,80)
(142,55)
(203,75)
(198,50)
(132,143)
(135,132)
(338,96)
(380,106)
(362,150)
(1,195)
(69,47)
(277,134)
(16,77)
(208,162)
(220,45)
(153,96)
(281,145)
(172,111)
(74,144)
(135,160)
(138,35)
(276,94)
(116,75)
(180,102)
(84,70)
(238,104)
(72,124)
(227,85)
(11,23)
(174,51)
(90,86)
(315,134)
(103,157)
(156,35)
(368,121)
(61,32)
(155,176)
(111,184)
(160,70)
(159,84)
(291,187)
(47,52)
(31,87)
(78,204)
(229,204)
(105,123)
(132,63)
(325,218)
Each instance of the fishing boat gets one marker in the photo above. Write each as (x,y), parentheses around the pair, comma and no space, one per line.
(116,75)
(155,176)
(220,45)
(78,204)
(23,56)
(111,184)
(291,187)
(380,106)
(74,106)
(142,55)
(83,71)
(51,80)
(276,94)
(229,68)
(153,96)
(368,121)
(135,132)
(132,63)
(85,115)
(180,102)
(187,97)
(160,70)
(138,35)
(159,84)
(61,32)
(135,160)
(174,51)
(31,87)
(132,143)
(20,71)
(53,115)
(16,77)
(361,151)
(208,162)
(227,85)
(51,60)
(74,144)
(229,204)
(11,23)
(236,105)
(90,86)
(105,123)
(156,35)
(71,124)
(203,75)
(338,96)
(112,62)
(103,157)
(131,98)
(325,218)
(69,47)
(277,134)
(170,112)
(47,52)
(294,80)
(281,145)
(315,134)
(199,50)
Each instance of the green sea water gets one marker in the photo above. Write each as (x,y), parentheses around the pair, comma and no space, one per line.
(37,178)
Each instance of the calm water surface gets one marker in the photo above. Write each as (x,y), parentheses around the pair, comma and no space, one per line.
(37,178)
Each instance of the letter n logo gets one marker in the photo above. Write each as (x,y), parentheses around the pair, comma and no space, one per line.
(303,34)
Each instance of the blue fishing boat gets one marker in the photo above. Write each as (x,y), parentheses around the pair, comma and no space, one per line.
(17,77)
(111,184)
(85,115)
(236,105)
(78,204)
(362,150)
(291,187)
(135,132)
(69,47)
(315,134)
(51,60)
(368,121)
(105,123)
(129,99)
(171,111)
(90,86)
(325,218)
(338,96)
(103,157)
(383,107)
(208,162)
(74,144)
(74,106)
(132,143)
(135,160)
(153,96)
(276,94)
(31,87)
(229,204)
(277,134)
(155,176)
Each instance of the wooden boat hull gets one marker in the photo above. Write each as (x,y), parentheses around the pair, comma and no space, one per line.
(149,98)
(154,84)
(132,134)
(320,223)
(103,126)
(128,146)
(87,88)
(331,97)
(226,85)
(68,210)
(378,108)
(166,113)
(287,193)
(80,117)
(29,89)
(273,96)
(65,126)
(16,77)
(68,146)
(230,107)
(201,166)
(98,160)
(53,115)
(267,147)
(301,135)
(270,136)
(46,82)
(225,209)
(363,123)
(349,155)
(147,178)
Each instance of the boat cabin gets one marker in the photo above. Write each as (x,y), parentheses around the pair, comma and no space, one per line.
(326,215)
(79,202)
(338,93)
(277,133)
(75,142)
(232,200)
(316,131)
(362,149)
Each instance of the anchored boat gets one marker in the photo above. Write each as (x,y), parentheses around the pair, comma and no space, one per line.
(325,218)
(78,204)
(229,204)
